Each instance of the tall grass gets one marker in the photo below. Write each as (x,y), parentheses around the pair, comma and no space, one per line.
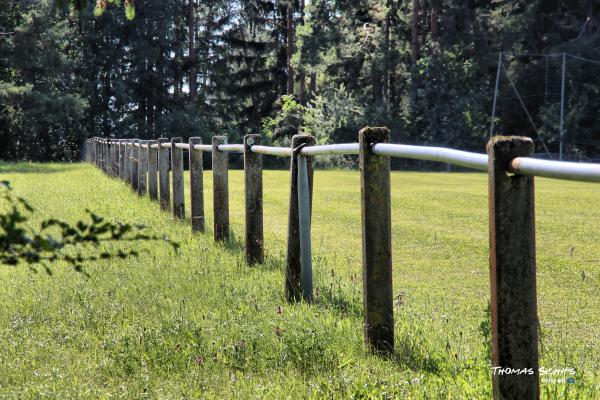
(205,324)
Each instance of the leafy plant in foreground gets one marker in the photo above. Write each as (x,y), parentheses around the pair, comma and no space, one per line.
(19,243)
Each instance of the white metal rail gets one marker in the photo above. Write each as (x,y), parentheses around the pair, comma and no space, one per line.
(586,172)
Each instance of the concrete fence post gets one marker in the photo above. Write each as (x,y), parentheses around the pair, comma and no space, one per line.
(143,168)
(97,152)
(135,160)
(122,163)
(196,186)
(253,189)
(107,166)
(152,170)
(293,269)
(220,161)
(178,181)
(512,272)
(376,242)
(128,153)
(164,187)
(102,154)
(115,157)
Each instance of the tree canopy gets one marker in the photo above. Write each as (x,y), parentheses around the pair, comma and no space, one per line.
(424,68)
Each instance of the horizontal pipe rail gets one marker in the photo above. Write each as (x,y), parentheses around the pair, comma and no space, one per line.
(585,172)
(231,148)
(272,151)
(185,146)
(203,147)
(450,156)
(345,148)
(555,169)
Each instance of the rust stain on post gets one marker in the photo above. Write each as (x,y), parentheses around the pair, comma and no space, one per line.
(178,181)
(512,272)
(164,187)
(253,188)
(196,186)
(376,242)
(293,269)
(220,164)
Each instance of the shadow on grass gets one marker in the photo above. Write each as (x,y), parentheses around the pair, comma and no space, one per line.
(32,168)
(416,360)
(337,303)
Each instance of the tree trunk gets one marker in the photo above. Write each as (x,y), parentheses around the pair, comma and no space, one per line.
(313,85)
(435,14)
(302,75)
(414,44)
(386,53)
(290,48)
(193,79)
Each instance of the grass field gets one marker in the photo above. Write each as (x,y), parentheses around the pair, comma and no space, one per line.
(205,324)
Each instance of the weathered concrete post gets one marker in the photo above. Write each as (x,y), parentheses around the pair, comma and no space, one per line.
(293,268)
(128,161)
(97,152)
(164,187)
(196,186)
(143,168)
(376,242)
(122,163)
(178,182)
(103,153)
(107,160)
(253,188)
(220,161)
(512,272)
(135,160)
(152,170)
(115,157)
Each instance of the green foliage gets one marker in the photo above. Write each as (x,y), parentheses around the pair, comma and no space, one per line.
(98,72)
(286,123)
(335,116)
(19,244)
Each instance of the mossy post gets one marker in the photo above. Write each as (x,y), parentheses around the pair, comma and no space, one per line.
(253,189)
(122,163)
(108,158)
(103,155)
(143,168)
(135,160)
(115,157)
(196,186)
(293,267)
(376,242)
(128,153)
(152,170)
(178,182)
(108,164)
(512,272)
(220,165)
(164,187)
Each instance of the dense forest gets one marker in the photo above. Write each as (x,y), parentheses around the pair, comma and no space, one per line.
(424,68)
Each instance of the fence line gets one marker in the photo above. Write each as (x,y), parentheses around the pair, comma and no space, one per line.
(511,212)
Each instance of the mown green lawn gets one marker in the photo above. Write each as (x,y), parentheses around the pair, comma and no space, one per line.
(202,323)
